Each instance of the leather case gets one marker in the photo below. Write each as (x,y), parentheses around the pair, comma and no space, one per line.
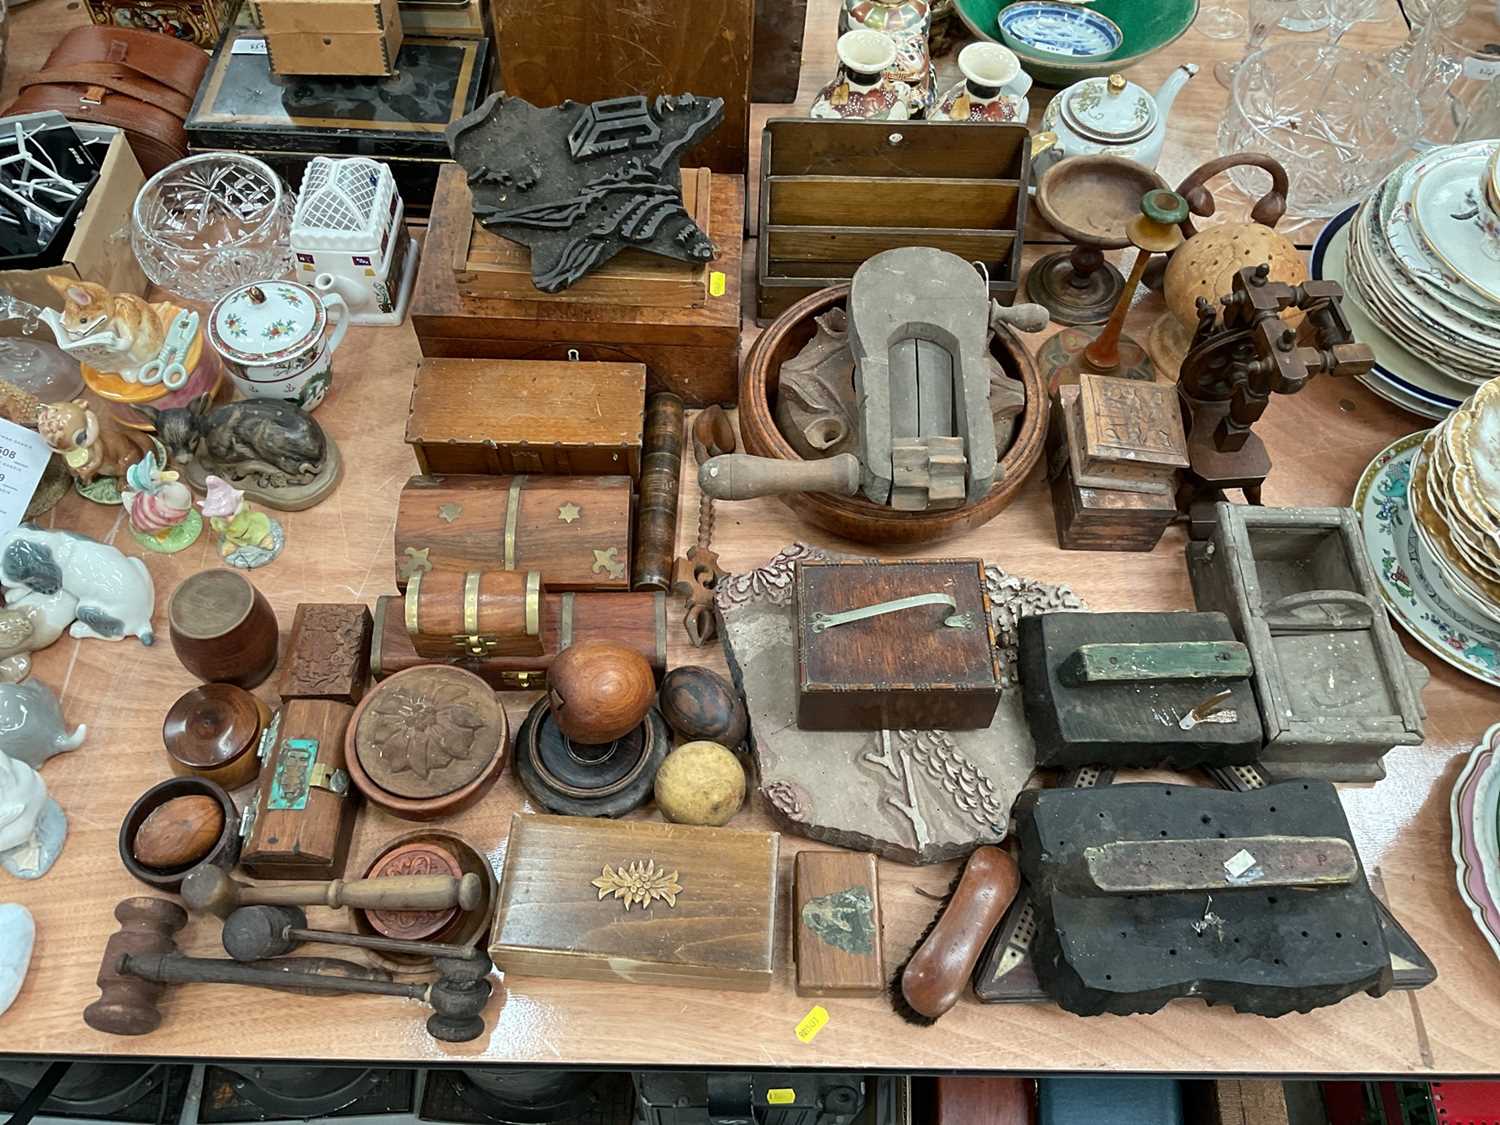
(140,81)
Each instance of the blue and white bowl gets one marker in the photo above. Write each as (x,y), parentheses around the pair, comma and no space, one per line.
(1060,31)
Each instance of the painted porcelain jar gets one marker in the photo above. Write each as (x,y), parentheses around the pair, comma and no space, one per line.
(863,88)
(274,341)
(908,23)
(994,87)
(1109,116)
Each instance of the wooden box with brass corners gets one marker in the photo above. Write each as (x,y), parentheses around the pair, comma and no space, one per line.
(1137,689)
(635,619)
(639,901)
(522,416)
(477,613)
(1336,689)
(328,655)
(574,530)
(894,646)
(299,824)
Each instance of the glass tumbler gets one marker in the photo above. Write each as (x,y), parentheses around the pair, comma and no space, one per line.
(1454,81)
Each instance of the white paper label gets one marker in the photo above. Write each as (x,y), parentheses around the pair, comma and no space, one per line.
(248,47)
(23,456)
(1239,863)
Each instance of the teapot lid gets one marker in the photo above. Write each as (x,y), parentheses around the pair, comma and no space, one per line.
(266,322)
(1109,110)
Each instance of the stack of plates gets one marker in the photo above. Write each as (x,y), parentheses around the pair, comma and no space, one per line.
(1420,265)
(1475,807)
(1455,499)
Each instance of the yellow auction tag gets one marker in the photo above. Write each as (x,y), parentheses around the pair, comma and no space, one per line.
(812,1023)
(781,1096)
(716,284)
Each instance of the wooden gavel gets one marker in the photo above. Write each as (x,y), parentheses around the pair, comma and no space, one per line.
(208,890)
(141,959)
(255,933)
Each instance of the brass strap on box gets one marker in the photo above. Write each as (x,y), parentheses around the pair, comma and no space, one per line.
(512,517)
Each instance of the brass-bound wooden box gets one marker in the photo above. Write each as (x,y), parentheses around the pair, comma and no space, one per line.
(638,901)
(477,613)
(494,416)
(303,813)
(575,530)
(891,646)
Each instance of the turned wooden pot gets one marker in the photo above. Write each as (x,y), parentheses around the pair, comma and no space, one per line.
(854,517)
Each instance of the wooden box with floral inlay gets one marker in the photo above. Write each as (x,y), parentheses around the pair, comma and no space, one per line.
(639,901)
(574,530)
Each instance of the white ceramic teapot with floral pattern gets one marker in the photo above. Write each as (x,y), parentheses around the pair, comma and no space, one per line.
(273,340)
(1108,116)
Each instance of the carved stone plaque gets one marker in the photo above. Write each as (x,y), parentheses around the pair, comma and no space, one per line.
(916,796)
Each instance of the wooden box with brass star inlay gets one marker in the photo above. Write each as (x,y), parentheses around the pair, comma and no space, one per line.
(574,531)
(639,901)
(527,416)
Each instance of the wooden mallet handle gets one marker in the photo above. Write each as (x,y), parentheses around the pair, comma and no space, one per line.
(210,890)
(742,476)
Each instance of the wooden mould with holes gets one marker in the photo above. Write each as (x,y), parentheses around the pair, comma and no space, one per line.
(834,193)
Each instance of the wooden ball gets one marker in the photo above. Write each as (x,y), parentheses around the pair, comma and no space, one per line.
(599,691)
(179,832)
(700,783)
(1205,265)
(698,703)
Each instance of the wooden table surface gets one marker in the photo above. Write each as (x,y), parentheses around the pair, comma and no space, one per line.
(1320,441)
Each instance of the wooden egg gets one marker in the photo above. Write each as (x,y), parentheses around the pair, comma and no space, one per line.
(700,783)
(599,691)
(698,703)
(1205,264)
(178,833)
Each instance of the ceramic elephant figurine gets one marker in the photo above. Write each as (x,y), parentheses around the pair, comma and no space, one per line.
(31,724)
(115,594)
(28,622)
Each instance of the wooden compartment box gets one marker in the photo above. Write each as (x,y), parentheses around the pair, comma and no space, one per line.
(574,530)
(833,193)
(570,903)
(692,351)
(330,36)
(487,265)
(499,416)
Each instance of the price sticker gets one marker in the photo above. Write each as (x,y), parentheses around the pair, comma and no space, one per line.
(248,47)
(718,284)
(808,1027)
(23,457)
(781,1096)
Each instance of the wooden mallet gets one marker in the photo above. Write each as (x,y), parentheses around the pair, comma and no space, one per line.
(208,890)
(254,933)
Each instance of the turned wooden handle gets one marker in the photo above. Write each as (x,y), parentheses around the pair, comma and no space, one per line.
(407,892)
(741,476)
(1267,210)
(939,970)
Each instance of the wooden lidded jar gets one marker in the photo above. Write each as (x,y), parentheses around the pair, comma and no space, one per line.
(222,628)
(214,732)
(477,613)
(427,742)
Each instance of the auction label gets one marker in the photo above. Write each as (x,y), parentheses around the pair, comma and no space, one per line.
(23,457)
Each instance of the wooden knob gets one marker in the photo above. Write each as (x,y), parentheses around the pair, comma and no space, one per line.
(599,691)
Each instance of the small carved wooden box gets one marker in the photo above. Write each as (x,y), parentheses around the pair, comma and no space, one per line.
(328,656)
(303,813)
(574,530)
(527,416)
(895,646)
(1336,689)
(638,901)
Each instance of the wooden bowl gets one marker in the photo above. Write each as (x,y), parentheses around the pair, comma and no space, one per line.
(468,927)
(854,517)
(1090,200)
(224,854)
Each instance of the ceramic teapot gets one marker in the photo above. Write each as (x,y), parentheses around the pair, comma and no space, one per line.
(273,339)
(1108,116)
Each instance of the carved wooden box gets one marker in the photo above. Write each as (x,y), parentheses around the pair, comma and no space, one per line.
(894,646)
(328,656)
(574,530)
(1125,433)
(303,814)
(1336,689)
(638,901)
(520,416)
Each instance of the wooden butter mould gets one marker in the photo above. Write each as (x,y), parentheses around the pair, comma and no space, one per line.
(495,416)
(640,901)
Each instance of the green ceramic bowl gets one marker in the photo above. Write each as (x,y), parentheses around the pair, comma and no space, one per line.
(1149,25)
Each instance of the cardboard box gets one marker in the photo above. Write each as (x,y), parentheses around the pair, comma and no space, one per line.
(99,250)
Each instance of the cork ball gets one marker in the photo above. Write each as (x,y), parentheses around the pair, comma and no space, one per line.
(599,691)
(700,783)
(1205,265)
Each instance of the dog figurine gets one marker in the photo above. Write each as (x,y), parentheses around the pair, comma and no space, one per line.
(115,594)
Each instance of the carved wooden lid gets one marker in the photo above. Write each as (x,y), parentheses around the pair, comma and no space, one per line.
(428,731)
(422,857)
(211,725)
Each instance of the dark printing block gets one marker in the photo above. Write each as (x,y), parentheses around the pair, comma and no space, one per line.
(1137,689)
(1145,893)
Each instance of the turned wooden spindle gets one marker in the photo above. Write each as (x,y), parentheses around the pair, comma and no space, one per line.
(1154,231)
(209,890)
